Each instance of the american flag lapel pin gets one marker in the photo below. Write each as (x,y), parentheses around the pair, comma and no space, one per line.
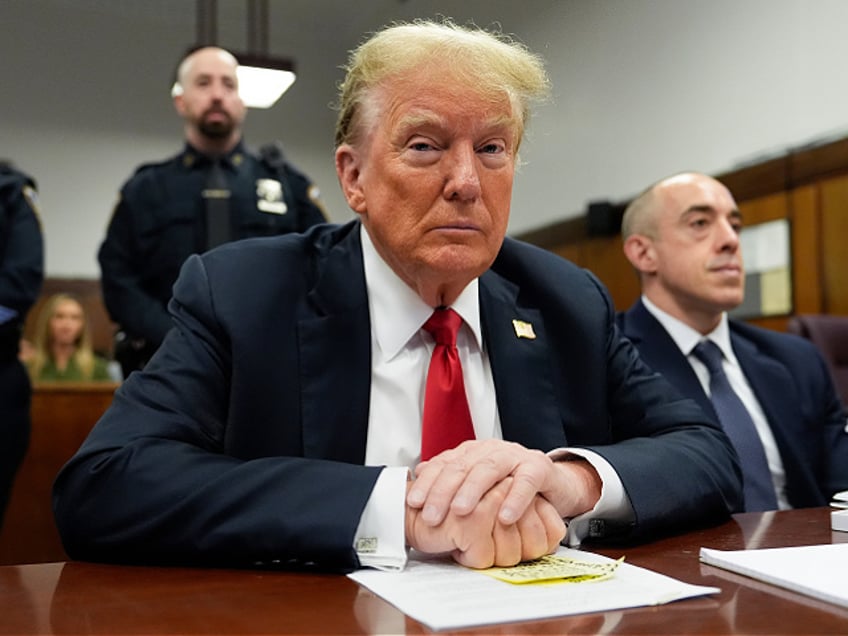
(523,329)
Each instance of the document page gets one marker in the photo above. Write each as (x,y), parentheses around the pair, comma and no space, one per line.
(444,595)
(816,570)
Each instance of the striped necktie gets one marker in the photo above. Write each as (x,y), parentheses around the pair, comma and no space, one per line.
(737,423)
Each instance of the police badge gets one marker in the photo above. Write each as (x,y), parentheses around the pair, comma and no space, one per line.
(269,193)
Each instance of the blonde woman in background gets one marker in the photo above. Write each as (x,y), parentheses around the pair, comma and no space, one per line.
(62,347)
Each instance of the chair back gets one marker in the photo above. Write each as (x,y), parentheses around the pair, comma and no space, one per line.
(830,334)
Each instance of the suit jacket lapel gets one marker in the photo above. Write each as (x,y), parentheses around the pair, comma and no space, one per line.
(663,355)
(521,367)
(778,396)
(775,392)
(335,351)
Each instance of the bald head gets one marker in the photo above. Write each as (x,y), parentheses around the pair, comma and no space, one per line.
(682,235)
(642,214)
(206,96)
(206,53)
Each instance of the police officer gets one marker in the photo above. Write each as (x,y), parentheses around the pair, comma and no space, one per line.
(214,191)
(21,275)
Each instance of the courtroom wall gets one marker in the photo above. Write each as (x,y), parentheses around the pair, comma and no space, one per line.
(641,88)
(807,187)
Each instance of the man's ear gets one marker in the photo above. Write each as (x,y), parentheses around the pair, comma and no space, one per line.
(349,170)
(639,250)
(179,105)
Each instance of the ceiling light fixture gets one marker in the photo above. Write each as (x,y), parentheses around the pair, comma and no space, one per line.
(262,78)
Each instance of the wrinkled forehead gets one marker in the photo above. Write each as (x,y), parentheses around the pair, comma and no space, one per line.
(442,99)
(687,192)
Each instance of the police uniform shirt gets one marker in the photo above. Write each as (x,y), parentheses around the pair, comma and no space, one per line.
(21,275)
(21,248)
(159,221)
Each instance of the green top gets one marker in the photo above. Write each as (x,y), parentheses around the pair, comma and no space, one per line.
(72,373)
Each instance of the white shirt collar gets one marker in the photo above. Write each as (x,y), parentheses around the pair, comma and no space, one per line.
(686,338)
(397,312)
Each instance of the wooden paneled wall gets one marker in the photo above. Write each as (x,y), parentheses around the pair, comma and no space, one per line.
(833,202)
(808,187)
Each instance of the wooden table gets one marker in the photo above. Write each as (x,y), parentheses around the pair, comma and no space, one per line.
(86,598)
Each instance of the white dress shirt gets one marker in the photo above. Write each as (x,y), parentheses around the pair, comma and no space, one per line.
(400,358)
(686,339)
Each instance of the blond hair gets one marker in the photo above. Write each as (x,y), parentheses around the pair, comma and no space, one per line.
(83,356)
(492,62)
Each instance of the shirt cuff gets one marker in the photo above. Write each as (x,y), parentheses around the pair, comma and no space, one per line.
(380,539)
(613,503)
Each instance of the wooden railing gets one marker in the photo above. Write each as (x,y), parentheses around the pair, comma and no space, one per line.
(62,416)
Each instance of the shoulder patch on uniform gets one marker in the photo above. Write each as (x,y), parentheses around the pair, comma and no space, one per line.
(147,165)
(31,196)
(314,194)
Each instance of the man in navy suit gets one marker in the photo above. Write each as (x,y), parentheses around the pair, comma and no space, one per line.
(682,235)
(281,420)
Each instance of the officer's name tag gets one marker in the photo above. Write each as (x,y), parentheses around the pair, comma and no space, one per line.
(269,195)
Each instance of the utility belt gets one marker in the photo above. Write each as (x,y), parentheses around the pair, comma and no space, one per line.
(131,353)
(10,340)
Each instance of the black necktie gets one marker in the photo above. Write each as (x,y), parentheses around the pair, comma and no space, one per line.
(737,423)
(217,197)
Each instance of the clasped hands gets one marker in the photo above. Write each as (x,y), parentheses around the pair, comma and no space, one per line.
(493,502)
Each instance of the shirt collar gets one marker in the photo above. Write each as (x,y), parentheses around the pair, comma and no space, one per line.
(397,312)
(686,338)
(192,157)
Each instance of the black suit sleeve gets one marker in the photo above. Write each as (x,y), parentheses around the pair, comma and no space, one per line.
(155,481)
(677,466)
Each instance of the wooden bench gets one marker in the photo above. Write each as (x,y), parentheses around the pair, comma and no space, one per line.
(62,416)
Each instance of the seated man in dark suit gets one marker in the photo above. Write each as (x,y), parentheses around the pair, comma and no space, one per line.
(682,235)
(281,418)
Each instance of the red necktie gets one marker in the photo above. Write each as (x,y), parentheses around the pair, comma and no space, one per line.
(447,420)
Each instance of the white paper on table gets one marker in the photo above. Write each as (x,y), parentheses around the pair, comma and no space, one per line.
(444,595)
(820,571)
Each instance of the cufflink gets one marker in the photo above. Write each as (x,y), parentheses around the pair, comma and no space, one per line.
(366,545)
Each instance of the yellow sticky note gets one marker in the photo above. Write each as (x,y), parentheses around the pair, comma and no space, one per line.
(554,569)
